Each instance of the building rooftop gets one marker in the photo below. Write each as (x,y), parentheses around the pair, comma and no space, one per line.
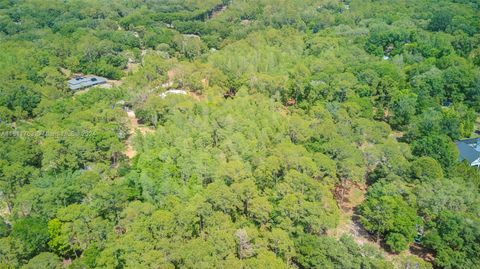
(85,82)
(469,149)
(180,91)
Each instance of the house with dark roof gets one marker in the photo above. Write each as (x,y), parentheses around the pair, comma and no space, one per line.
(78,83)
(470,151)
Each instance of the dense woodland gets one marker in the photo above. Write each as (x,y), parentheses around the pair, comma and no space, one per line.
(290,105)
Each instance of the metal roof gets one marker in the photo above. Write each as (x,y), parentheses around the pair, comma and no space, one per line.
(180,91)
(467,149)
(85,82)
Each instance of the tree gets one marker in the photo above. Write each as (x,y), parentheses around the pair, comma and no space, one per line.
(245,191)
(454,237)
(75,229)
(44,260)
(4,228)
(190,46)
(281,244)
(327,252)
(441,195)
(439,147)
(12,253)
(440,20)
(33,235)
(411,261)
(396,242)
(426,168)
(391,217)
(244,246)
(313,89)
(403,108)
(20,96)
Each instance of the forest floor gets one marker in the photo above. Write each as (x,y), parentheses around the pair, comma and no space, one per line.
(171,80)
(4,210)
(132,65)
(397,134)
(350,225)
(218,11)
(133,127)
(133,124)
(196,96)
(349,220)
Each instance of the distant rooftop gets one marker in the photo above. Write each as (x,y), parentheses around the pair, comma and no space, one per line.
(469,150)
(181,92)
(85,82)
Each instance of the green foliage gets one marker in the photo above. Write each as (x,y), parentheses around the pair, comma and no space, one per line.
(32,234)
(391,217)
(312,92)
(438,147)
(454,238)
(426,168)
(396,242)
(22,98)
(327,252)
(4,228)
(446,195)
(413,261)
(388,40)
(440,20)
(44,260)
(403,108)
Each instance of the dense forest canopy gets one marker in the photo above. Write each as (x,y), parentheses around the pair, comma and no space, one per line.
(239,134)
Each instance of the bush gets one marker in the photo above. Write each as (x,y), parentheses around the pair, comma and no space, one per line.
(397,242)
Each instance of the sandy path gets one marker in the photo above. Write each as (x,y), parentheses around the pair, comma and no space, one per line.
(350,225)
(133,127)
(350,221)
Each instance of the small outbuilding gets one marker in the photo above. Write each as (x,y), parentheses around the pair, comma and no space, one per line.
(176,92)
(469,150)
(83,82)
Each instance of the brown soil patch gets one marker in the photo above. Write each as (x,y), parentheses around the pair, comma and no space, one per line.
(397,134)
(132,67)
(421,252)
(218,11)
(349,197)
(133,127)
(171,75)
(196,96)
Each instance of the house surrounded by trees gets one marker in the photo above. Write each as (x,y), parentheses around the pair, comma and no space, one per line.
(78,83)
(470,151)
